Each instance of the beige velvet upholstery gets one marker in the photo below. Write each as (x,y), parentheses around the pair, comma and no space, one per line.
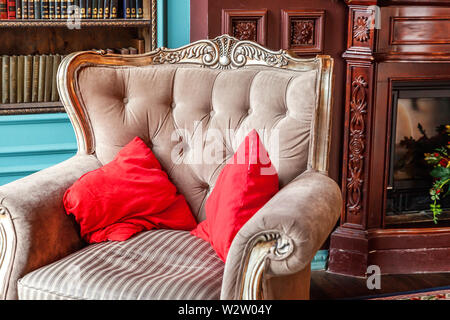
(166,105)
(184,103)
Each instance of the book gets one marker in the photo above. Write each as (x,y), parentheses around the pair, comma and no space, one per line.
(27,76)
(24,9)
(100,9)
(57,9)
(18,9)
(113,10)
(48,78)
(139,9)
(63,9)
(51,9)
(5,79)
(132,50)
(20,60)
(126,9)
(35,79)
(44,9)
(132,9)
(56,62)
(11,9)
(94,8)
(70,9)
(3,9)
(13,79)
(83,9)
(106,8)
(30,9)
(88,9)
(37,9)
(41,81)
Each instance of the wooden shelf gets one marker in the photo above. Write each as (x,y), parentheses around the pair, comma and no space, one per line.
(32,107)
(123,23)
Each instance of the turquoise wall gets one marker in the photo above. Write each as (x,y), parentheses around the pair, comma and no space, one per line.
(29,143)
(173,23)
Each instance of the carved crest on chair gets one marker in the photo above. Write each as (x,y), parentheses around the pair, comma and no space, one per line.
(223,52)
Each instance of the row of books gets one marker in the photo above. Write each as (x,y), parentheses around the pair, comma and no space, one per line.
(64,9)
(30,78)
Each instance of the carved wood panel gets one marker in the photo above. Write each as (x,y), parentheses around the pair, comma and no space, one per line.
(245,24)
(302,31)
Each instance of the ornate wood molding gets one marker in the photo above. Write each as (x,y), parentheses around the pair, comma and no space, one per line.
(248,25)
(302,31)
(356,145)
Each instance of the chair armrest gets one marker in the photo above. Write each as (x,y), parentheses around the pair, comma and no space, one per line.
(283,236)
(34,228)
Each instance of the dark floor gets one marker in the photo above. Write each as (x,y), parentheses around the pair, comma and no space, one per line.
(325,285)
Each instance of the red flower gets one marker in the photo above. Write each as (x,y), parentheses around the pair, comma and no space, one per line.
(436,154)
(438,191)
(443,162)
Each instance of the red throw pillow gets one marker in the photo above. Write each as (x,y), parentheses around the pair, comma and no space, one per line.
(128,195)
(245,184)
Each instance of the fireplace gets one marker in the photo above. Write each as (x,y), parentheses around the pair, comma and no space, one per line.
(397,77)
(420,113)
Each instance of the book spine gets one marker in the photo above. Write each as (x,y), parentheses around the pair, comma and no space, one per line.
(44,9)
(41,81)
(56,62)
(88,9)
(27,77)
(48,78)
(63,9)
(18,9)
(132,9)
(139,9)
(12,79)
(11,9)
(24,9)
(30,9)
(113,9)
(19,76)
(69,5)
(3,9)
(57,9)
(5,79)
(100,9)
(51,9)
(35,79)
(127,9)
(83,9)
(106,8)
(37,9)
(94,9)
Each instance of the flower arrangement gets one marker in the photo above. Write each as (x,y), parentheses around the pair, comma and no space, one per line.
(440,161)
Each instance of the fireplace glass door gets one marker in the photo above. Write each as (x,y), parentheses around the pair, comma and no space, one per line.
(420,115)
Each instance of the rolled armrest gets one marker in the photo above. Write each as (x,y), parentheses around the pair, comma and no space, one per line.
(295,222)
(34,227)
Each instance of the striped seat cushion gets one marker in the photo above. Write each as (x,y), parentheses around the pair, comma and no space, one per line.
(156,264)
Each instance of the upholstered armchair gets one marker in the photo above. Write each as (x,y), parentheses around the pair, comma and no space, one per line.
(167,97)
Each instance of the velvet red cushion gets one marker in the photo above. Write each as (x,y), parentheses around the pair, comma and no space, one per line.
(128,195)
(244,185)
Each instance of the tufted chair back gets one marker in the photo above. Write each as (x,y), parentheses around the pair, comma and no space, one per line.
(194,105)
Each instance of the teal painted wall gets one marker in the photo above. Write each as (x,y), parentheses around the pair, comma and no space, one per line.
(173,23)
(29,143)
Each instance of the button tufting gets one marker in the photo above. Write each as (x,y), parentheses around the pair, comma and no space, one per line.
(212,113)
(249,111)
(125,100)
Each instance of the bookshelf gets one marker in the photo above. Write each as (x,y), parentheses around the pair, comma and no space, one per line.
(23,37)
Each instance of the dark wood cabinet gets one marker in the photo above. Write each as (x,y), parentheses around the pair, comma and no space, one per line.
(388,43)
